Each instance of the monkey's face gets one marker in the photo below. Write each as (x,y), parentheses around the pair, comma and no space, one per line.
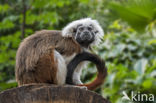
(87,32)
(84,35)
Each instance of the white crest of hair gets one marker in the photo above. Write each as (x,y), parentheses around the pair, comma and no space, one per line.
(68,30)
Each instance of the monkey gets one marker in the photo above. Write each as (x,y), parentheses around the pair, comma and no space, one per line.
(100,64)
(43,56)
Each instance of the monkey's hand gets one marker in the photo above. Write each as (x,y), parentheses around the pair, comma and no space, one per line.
(86,56)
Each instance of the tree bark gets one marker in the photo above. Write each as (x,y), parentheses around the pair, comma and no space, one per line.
(46,93)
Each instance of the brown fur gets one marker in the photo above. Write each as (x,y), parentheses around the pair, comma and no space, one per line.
(35,57)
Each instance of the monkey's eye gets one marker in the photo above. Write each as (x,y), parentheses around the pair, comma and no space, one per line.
(81,28)
(89,28)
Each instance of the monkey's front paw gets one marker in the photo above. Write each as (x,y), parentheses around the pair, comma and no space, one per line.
(83,87)
(77,82)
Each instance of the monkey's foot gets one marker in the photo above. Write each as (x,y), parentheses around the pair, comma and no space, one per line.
(79,86)
(77,82)
(82,87)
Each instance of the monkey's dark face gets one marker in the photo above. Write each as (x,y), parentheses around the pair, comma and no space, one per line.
(84,35)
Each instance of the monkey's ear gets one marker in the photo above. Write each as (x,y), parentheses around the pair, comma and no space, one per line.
(74,30)
(69,30)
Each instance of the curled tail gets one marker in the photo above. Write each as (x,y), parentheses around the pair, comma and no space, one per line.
(86,56)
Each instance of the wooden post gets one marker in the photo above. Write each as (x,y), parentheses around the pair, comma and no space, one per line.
(46,93)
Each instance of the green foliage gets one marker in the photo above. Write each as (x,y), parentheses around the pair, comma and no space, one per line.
(121,79)
(8,45)
(134,62)
(4,86)
(4,8)
(8,24)
(138,13)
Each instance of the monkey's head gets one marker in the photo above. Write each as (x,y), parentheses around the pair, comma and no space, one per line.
(85,31)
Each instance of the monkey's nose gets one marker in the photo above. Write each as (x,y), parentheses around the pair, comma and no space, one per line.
(85,36)
(86,33)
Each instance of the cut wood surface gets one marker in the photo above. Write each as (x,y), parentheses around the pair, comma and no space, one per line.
(46,93)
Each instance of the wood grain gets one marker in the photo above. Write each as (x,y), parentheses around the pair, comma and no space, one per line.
(46,93)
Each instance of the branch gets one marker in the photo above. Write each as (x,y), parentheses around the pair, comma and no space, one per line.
(24,19)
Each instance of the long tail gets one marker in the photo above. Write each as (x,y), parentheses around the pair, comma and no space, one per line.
(86,56)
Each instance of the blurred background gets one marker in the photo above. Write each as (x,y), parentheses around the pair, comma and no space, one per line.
(128,47)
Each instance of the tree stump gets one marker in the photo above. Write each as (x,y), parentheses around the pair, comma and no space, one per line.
(46,93)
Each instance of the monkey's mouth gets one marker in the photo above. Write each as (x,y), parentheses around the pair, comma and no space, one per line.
(85,43)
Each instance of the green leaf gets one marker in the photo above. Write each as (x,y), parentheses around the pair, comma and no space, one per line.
(138,13)
(147,84)
(6,24)
(4,8)
(153,41)
(84,1)
(140,66)
(4,86)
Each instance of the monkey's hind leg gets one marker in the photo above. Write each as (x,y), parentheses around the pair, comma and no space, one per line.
(50,68)
(61,68)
